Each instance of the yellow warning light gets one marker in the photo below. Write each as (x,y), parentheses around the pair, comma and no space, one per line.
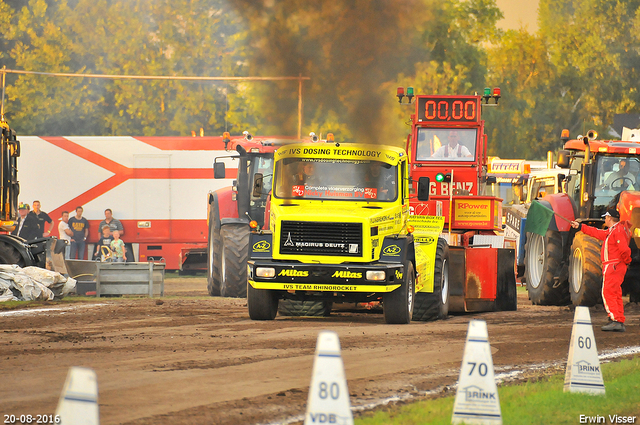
(330,137)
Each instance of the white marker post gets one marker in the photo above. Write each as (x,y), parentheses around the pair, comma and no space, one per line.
(477,394)
(79,399)
(328,401)
(583,373)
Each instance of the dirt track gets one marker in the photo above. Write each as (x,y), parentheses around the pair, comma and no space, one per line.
(186,359)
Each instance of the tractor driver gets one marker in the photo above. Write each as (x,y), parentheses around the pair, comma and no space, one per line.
(305,174)
(453,149)
(621,179)
(379,177)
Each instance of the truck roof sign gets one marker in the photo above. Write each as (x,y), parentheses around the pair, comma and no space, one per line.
(448,109)
(347,151)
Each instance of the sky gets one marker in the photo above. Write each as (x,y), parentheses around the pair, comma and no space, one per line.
(519,13)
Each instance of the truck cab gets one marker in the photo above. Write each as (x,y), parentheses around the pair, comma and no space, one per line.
(337,231)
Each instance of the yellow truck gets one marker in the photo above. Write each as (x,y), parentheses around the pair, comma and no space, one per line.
(339,230)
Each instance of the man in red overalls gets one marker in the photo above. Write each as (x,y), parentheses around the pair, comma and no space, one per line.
(616,254)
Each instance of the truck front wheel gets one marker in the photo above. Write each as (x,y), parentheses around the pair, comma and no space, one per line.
(435,305)
(585,271)
(235,254)
(398,305)
(543,266)
(262,303)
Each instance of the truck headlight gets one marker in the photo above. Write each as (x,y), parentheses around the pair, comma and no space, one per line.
(376,275)
(265,272)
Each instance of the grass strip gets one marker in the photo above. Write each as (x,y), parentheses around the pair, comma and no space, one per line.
(541,402)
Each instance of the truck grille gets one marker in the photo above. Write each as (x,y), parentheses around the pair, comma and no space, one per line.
(321,238)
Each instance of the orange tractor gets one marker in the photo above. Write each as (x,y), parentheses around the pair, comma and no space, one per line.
(564,266)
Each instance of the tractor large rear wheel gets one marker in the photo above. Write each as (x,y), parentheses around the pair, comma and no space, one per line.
(585,271)
(9,255)
(235,253)
(435,305)
(543,269)
(214,255)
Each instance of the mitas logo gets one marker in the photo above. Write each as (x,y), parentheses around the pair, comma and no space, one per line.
(261,246)
(393,250)
(294,273)
(347,275)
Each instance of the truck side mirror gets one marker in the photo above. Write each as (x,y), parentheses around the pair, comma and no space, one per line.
(491,180)
(257,185)
(423,188)
(218,170)
(563,159)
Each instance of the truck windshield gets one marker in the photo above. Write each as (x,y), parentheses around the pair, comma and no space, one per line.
(334,179)
(450,144)
(614,174)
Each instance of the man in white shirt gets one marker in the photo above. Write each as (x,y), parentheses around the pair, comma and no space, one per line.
(65,233)
(453,149)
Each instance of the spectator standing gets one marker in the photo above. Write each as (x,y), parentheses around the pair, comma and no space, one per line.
(112,222)
(80,228)
(65,233)
(117,248)
(103,249)
(43,218)
(27,226)
(616,255)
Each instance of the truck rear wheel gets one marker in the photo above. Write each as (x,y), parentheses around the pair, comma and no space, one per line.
(214,248)
(398,305)
(262,303)
(304,308)
(9,255)
(435,305)
(585,271)
(235,253)
(543,265)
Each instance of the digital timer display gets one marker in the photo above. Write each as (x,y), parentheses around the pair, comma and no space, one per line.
(449,109)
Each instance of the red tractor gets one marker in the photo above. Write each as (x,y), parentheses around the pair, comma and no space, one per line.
(231,211)
(447,145)
(232,208)
(564,266)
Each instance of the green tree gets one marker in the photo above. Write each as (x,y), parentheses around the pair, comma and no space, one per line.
(186,38)
(534,104)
